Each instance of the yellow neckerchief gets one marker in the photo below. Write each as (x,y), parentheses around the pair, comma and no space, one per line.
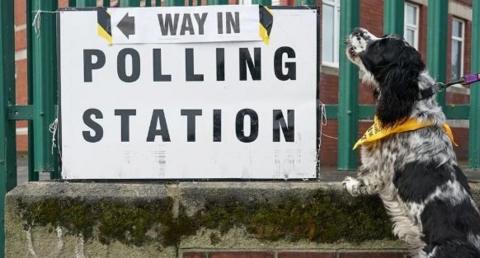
(376,132)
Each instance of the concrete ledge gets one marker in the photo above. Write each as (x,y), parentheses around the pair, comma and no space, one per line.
(47,219)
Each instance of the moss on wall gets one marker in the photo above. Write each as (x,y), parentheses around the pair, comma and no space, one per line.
(324,216)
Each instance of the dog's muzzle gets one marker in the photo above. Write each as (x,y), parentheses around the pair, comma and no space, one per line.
(358,35)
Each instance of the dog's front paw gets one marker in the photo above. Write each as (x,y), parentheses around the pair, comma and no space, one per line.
(352,186)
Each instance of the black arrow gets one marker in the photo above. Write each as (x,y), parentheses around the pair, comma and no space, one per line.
(127,25)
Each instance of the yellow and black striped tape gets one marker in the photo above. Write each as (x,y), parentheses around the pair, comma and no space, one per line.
(104,25)
(266,22)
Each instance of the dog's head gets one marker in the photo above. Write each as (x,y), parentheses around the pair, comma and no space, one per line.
(393,67)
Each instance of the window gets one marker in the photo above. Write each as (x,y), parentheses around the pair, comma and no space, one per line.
(245,2)
(276,2)
(330,32)
(411,24)
(458,39)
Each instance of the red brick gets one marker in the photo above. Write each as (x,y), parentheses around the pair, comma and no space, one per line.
(21,99)
(457,98)
(20,12)
(328,149)
(371,16)
(22,139)
(372,255)
(241,255)
(306,255)
(194,255)
(62,3)
(365,95)
(328,88)
(422,32)
(22,143)
(21,81)
(20,39)
(461,138)
(22,123)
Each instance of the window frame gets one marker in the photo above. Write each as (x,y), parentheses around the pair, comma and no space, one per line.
(414,27)
(336,31)
(462,44)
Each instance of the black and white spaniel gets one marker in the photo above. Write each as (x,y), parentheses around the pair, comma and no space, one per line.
(415,172)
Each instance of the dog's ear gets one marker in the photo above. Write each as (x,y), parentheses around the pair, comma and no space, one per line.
(399,88)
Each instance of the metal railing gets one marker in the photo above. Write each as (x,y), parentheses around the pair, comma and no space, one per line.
(41,110)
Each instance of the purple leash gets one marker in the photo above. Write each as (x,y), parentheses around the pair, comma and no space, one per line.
(465,80)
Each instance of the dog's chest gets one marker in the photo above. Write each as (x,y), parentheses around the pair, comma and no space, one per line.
(380,155)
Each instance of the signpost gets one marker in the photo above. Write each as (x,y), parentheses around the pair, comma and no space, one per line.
(188,92)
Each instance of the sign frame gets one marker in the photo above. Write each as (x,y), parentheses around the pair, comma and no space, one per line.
(59,136)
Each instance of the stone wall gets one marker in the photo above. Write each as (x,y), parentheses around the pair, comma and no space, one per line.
(203,219)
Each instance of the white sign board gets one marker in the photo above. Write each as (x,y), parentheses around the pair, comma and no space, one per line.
(240,107)
(185,24)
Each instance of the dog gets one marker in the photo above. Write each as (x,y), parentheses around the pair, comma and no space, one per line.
(414,172)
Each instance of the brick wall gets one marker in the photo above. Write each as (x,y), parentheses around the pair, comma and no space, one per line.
(295,254)
(21,69)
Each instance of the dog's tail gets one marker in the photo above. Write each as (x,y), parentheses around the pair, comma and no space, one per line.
(454,249)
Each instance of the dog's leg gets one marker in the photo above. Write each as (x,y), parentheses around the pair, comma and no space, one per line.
(367,183)
(403,226)
(353,186)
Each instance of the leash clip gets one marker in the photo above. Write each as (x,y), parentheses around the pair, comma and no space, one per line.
(442,86)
